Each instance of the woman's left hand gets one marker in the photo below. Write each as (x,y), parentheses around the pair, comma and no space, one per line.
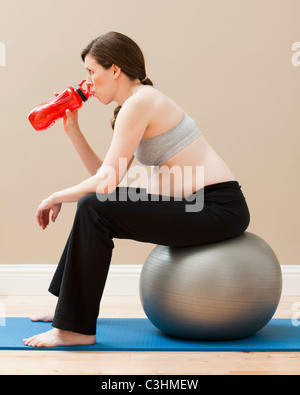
(43,211)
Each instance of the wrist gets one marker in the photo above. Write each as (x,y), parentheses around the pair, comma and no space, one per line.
(74,130)
(55,198)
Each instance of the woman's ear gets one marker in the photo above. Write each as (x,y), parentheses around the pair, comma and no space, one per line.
(116,70)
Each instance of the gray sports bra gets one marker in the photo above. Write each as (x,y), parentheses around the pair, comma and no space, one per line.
(155,151)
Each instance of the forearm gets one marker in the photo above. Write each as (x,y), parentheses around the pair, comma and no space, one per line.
(73,194)
(90,159)
(104,182)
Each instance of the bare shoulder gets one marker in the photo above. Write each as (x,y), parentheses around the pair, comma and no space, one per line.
(136,112)
(151,99)
(145,96)
(142,102)
(151,109)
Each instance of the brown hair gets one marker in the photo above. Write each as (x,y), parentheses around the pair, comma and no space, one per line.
(120,50)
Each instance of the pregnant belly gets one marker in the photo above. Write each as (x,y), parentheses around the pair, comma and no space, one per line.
(176,181)
(191,169)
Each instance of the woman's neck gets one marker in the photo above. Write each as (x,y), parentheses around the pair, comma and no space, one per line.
(126,89)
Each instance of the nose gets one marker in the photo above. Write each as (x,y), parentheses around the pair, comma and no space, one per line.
(88,81)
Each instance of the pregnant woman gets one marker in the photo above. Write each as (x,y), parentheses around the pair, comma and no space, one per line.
(150,126)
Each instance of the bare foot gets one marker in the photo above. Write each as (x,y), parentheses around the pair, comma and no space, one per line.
(59,338)
(44,318)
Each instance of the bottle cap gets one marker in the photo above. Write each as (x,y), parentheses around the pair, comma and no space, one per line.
(83,93)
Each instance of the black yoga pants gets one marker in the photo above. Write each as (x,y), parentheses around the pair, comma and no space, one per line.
(81,274)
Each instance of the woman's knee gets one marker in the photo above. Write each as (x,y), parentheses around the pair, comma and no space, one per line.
(86,202)
(92,202)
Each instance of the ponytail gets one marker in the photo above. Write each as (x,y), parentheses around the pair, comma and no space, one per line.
(113,121)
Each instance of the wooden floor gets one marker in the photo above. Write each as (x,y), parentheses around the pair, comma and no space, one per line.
(138,363)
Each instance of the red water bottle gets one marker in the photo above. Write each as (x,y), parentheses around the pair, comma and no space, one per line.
(46,114)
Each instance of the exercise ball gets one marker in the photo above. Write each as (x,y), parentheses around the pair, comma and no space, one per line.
(219,291)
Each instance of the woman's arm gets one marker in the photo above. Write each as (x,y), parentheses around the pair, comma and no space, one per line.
(90,159)
(129,129)
(54,202)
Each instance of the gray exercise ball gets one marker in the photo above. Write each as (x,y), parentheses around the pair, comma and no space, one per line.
(219,291)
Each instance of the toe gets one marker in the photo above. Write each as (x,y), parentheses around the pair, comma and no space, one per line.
(34,343)
(27,341)
(31,341)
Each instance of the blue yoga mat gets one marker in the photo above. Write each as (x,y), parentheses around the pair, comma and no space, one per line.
(138,334)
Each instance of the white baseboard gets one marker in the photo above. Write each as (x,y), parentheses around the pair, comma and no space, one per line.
(35,279)
(122,279)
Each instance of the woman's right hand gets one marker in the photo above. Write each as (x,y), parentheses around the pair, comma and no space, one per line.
(70,119)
